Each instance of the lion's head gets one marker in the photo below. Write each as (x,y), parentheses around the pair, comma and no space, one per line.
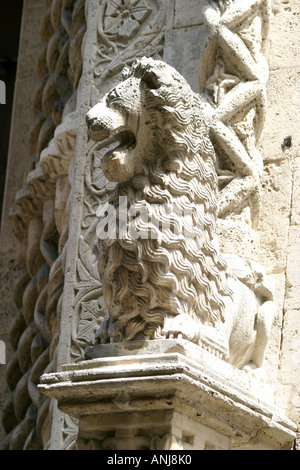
(163,161)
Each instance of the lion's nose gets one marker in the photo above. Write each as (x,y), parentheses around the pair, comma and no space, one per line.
(93,114)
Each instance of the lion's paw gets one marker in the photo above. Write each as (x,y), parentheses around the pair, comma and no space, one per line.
(258,373)
(181,327)
(107,332)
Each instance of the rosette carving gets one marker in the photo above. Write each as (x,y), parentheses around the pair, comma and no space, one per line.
(127,30)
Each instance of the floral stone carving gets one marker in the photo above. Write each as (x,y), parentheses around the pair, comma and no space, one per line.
(128,29)
(161,270)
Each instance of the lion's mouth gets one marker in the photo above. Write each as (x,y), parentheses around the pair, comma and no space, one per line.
(120,142)
(116,141)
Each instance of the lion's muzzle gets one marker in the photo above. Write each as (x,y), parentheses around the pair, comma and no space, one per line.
(103,122)
(108,127)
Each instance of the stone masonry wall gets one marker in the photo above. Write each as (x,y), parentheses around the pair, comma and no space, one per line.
(279,222)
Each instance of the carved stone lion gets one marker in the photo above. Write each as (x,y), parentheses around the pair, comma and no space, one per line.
(162,272)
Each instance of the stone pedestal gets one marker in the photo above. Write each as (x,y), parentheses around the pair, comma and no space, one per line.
(166,395)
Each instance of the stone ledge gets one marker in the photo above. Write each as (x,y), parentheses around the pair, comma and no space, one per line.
(201,387)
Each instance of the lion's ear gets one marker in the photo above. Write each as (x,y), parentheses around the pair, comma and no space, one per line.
(126,73)
(151,79)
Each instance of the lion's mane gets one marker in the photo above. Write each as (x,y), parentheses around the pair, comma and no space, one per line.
(145,280)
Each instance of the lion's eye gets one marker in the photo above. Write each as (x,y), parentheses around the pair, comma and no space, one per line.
(112,95)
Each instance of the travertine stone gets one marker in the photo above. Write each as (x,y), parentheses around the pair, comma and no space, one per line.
(182,47)
(193,15)
(282,115)
(238,237)
(292,300)
(295,209)
(283,50)
(287,395)
(229,408)
(272,354)
(291,357)
(274,215)
(232,75)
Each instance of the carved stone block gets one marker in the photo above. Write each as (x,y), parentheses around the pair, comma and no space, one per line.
(166,394)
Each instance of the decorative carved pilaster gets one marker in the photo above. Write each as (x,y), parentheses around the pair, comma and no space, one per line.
(124,31)
(89,307)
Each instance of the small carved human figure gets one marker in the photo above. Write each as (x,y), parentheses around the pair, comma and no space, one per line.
(162,272)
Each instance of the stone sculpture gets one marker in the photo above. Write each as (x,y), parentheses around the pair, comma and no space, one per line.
(161,269)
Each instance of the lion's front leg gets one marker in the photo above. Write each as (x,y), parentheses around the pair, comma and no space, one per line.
(263,326)
(107,332)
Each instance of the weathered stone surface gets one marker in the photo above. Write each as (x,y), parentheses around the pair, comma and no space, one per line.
(182,50)
(290,348)
(292,300)
(288,388)
(193,15)
(257,146)
(143,302)
(284,35)
(274,215)
(280,138)
(231,407)
(272,354)
(11,255)
(295,205)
